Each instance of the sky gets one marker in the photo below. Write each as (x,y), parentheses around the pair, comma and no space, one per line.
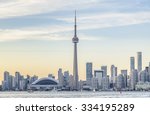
(36,35)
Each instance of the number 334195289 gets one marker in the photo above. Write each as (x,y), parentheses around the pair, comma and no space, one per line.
(107,107)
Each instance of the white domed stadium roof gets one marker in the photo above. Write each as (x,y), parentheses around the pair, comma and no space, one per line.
(45,81)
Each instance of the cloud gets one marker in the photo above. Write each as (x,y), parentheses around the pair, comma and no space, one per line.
(19,34)
(22,7)
(86,20)
(16,8)
(65,31)
(97,21)
(46,33)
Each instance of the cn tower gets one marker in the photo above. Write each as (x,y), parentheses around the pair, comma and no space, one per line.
(75,40)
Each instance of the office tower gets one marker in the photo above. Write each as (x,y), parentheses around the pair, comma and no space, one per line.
(139,61)
(124,73)
(75,40)
(4,85)
(146,74)
(13,83)
(113,73)
(6,81)
(116,71)
(133,79)
(89,73)
(21,78)
(112,69)
(142,76)
(119,82)
(99,75)
(66,78)
(10,82)
(104,69)
(71,82)
(105,83)
(60,77)
(17,78)
(22,84)
(94,83)
(132,63)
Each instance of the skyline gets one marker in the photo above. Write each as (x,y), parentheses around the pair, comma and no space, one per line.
(40,37)
(104,68)
(96,80)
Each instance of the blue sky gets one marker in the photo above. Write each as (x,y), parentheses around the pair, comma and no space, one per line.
(110,31)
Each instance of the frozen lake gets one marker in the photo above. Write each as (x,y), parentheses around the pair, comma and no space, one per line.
(74,94)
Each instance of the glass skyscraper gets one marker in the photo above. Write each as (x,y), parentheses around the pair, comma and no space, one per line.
(139,61)
(89,73)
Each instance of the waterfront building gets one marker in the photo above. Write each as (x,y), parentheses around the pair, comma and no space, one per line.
(66,79)
(71,82)
(119,82)
(113,71)
(125,78)
(6,81)
(99,75)
(60,77)
(104,69)
(139,61)
(105,83)
(132,63)
(89,73)
(134,79)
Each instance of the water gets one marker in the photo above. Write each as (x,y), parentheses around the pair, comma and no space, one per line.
(48,94)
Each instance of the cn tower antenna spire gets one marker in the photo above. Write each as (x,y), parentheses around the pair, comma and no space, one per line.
(75,25)
(75,38)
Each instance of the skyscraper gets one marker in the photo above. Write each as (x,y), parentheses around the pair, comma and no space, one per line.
(147,74)
(60,77)
(139,61)
(132,63)
(142,76)
(113,71)
(18,79)
(119,82)
(71,82)
(124,73)
(105,83)
(116,71)
(75,40)
(89,73)
(66,78)
(104,69)
(6,80)
(99,75)
(134,77)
